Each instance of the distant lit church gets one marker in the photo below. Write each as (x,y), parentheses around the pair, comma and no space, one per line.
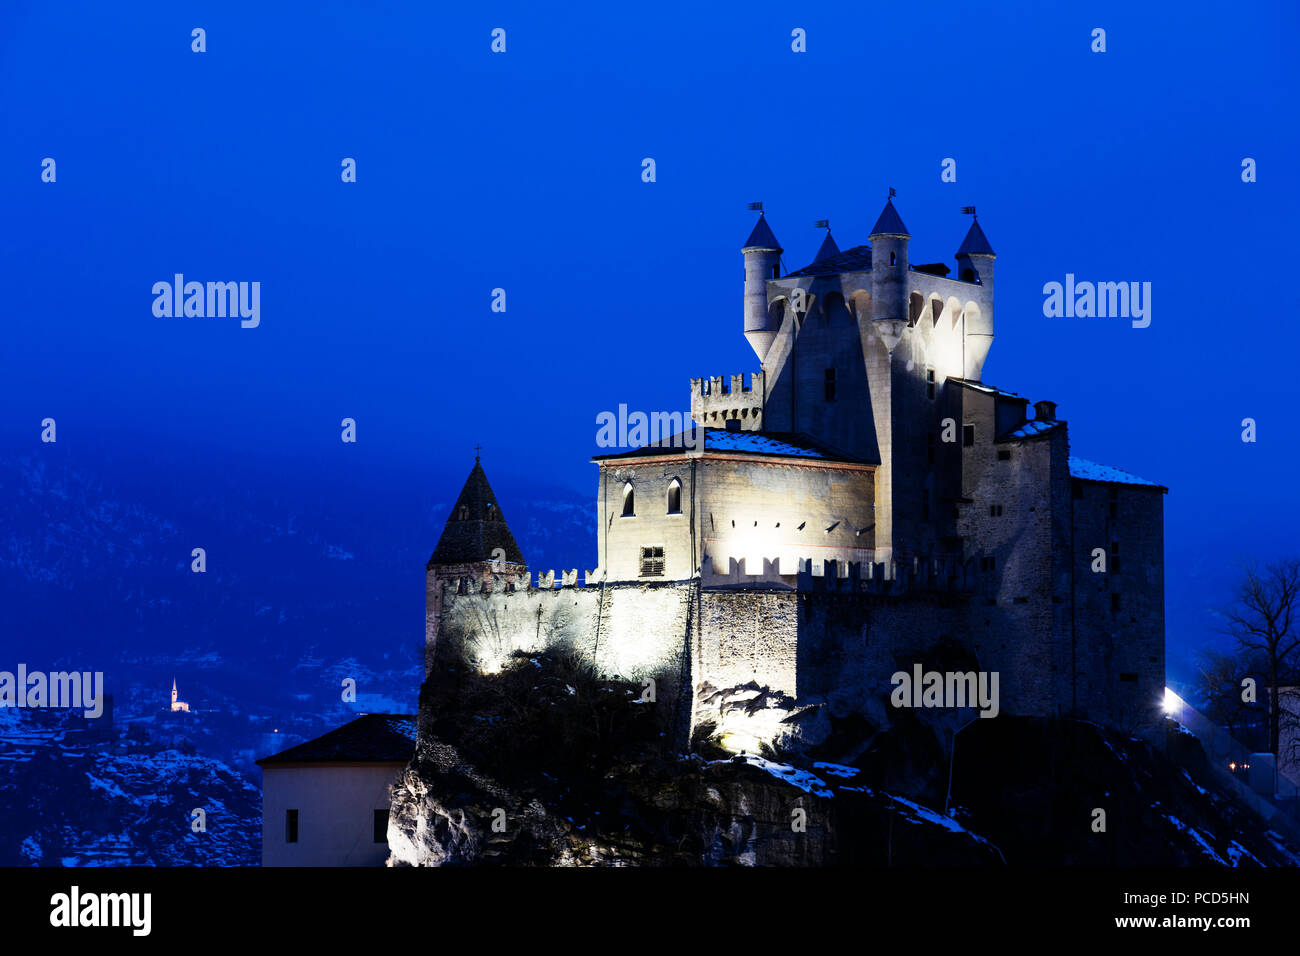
(178,706)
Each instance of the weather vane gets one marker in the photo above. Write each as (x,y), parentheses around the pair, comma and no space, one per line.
(968,210)
(823,224)
(756,206)
(892,192)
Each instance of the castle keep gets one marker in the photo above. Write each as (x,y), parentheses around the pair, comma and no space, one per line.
(862,501)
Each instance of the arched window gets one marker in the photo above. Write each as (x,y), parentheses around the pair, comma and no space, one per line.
(674,497)
(491,512)
(629,505)
(463,513)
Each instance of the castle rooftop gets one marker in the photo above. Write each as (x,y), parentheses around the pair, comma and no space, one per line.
(987,389)
(776,444)
(1030,429)
(857,259)
(975,243)
(762,237)
(1091,471)
(828,248)
(890,222)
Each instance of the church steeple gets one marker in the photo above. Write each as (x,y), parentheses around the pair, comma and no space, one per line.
(476,530)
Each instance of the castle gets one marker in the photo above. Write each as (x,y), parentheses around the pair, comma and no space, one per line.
(861,502)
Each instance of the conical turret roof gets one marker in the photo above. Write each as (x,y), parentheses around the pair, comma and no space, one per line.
(476,527)
(975,243)
(890,222)
(761,237)
(828,249)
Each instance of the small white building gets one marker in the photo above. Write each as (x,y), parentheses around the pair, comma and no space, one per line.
(325,802)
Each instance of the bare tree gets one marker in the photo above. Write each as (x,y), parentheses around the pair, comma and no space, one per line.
(1218,685)
(1262,619)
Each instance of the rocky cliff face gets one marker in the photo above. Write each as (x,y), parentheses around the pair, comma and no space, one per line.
(545,764)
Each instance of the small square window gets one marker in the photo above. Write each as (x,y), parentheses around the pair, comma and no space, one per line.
(290,826)
(652,562)
(1004,454)
(968,435)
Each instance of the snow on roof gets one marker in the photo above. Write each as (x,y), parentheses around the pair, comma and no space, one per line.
(1091,471)
(987,389)
(1030,429)
(722,440)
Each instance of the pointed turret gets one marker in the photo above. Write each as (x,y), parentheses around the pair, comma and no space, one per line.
(975,257)
(762,262)
(762,238)
(476,530)
(890,223)
(889,273)
(828,247)
(975,242)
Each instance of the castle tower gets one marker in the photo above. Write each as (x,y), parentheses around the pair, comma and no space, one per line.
(889,317)
(762,262)
(975,257)
(975,264)
(476,543)
(889,239)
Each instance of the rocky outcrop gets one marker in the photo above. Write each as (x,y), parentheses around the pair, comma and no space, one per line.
(545,764)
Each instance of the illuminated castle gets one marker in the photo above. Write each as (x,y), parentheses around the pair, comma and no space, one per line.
(178,706)
(861,501)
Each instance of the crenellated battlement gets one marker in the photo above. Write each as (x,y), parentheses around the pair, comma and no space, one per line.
(818,575)
(495,583)
(718,399)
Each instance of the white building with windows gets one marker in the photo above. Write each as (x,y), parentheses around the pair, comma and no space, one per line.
(325,802)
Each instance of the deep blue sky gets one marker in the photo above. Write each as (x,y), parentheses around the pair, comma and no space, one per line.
(522,171)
